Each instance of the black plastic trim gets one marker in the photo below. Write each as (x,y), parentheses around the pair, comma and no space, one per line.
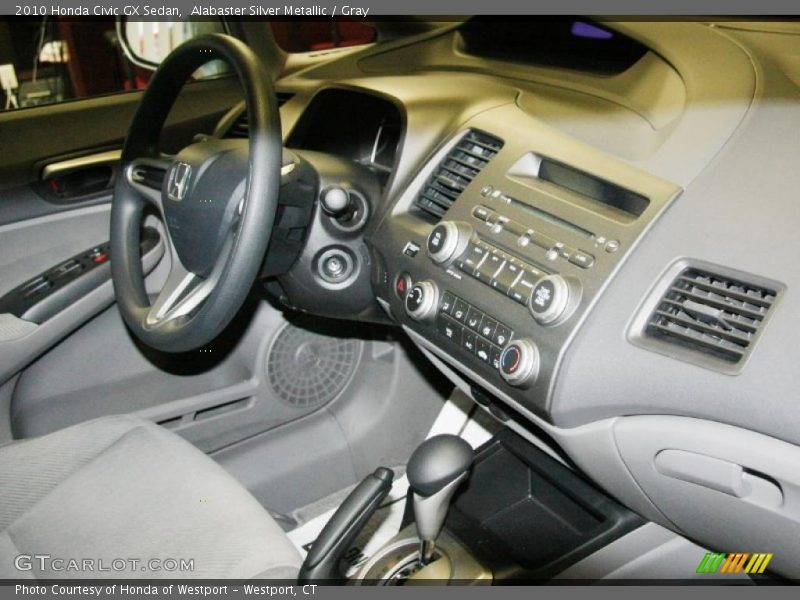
(527,517)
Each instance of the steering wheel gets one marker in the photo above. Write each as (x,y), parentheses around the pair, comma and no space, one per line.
(217,199)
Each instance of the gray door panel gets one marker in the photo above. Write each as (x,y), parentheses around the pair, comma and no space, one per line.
(31,246)
(38,231)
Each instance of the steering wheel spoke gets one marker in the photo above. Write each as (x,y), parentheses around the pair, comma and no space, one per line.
(146,176)
(184,292)
(181,284)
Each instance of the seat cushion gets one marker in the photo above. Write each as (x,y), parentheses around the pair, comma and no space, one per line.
(124,488)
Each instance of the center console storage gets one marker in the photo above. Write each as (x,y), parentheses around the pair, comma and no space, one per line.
(524,515)
(520,516)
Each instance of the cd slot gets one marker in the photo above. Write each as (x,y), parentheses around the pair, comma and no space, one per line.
(546,216)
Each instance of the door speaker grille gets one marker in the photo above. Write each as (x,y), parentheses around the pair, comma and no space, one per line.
(306,368)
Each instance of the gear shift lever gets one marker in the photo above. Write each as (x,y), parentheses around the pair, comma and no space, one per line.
(435,470)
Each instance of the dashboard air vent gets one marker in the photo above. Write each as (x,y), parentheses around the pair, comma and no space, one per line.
(241,128)
(713,316)
(456,171)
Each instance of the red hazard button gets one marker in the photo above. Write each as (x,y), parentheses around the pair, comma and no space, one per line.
(402,284)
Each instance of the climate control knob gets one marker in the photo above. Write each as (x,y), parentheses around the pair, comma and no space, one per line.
(549,299)
(448,240)
(422,301)
(519,363)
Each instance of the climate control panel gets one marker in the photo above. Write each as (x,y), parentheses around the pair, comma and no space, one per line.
(464,326)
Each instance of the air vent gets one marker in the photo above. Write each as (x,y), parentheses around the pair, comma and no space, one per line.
(461,165)
(241,128)
(706,316)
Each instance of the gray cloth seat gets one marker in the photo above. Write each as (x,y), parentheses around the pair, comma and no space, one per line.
(124,488)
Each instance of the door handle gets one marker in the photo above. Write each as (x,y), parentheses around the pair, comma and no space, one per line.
(64,167)
(76,179)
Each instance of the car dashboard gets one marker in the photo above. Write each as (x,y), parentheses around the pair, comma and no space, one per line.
(596,255)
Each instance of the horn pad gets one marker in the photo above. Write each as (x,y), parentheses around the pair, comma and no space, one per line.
(201,196)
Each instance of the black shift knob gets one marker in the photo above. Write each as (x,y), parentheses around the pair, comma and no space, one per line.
(438,461)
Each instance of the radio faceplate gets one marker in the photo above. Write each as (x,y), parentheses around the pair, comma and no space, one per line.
(517,250)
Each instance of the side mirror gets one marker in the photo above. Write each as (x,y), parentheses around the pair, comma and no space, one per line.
(147,43)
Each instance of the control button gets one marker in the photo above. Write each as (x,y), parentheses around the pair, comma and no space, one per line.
(515,228)
(488,327)
(448,302)
(448,240)
(460,309)
(472,258)
(505,278)
(72,264)
(518,294)
(438,238)
(522,289)
(551,254)
(502,335)
(411,249)
(492,264)
(33,283)
(487,268)
(582,259)
(335,200)
(534,272)
(98,258)
(468,341)
(486,190)
(483,350)
(612,246)
(402,284)
(422,300)
(449,328)
(542,240)
(499,225)
(519,362)
(474,318)
(565,252)
(492,219)
(494,355)
(549,299)
(481,213)
(524,240)
(70,269)
(36,289)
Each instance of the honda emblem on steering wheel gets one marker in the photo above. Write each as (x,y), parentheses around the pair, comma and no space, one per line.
(179,181)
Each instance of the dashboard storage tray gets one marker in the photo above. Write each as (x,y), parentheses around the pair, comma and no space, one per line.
(527,516)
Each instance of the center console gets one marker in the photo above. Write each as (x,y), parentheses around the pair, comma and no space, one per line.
(519,516)
(494,254)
